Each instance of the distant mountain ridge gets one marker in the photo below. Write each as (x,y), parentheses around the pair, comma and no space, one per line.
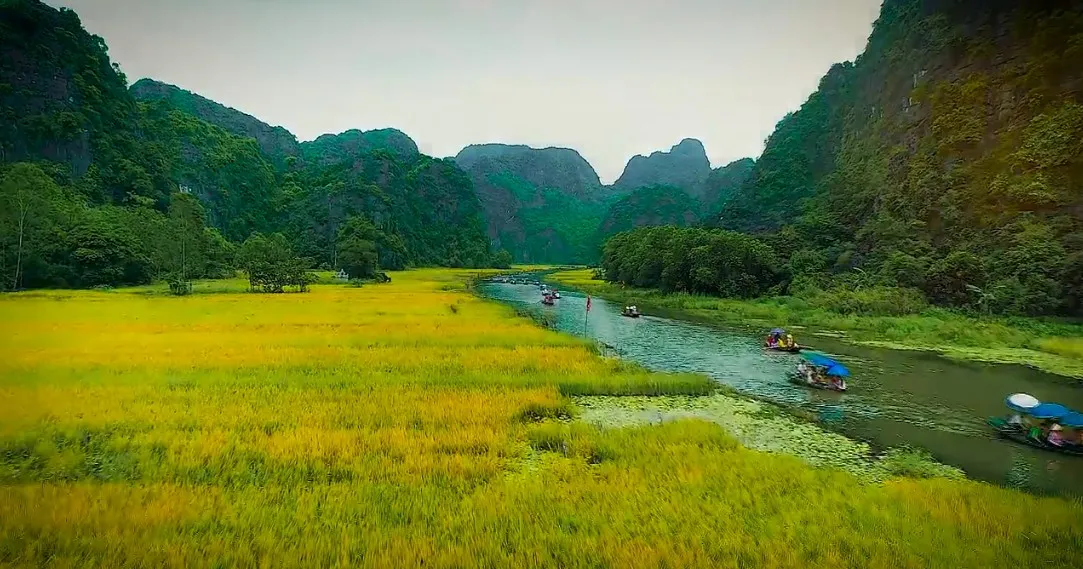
(685,165)
(548,204)
(553,167)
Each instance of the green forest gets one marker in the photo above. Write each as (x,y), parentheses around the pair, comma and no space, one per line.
(98,187)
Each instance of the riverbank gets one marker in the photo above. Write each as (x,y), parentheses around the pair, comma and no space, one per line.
(411,423)
(1050,346)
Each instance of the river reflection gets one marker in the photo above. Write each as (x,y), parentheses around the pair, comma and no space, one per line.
(895,397)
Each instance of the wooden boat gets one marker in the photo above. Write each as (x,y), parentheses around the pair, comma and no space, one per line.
(797,380)
(1017,434)
(780,348)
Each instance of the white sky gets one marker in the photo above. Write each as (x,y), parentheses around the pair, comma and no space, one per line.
(609,78)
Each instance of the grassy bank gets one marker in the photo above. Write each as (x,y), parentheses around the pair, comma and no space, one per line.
(1052,346)
(412,423)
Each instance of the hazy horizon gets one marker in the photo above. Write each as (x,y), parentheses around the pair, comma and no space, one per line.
(608,79)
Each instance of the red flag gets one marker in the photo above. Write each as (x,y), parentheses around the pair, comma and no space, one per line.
(588,303)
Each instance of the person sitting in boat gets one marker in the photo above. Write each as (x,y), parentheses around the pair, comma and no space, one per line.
(1016,420)
(1055,437)
(804,371)
(789,341)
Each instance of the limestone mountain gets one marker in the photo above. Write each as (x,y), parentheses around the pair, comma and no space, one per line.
(541,204)
(685,165)
(329,148)
(946,157)
(672,205)
(274,141)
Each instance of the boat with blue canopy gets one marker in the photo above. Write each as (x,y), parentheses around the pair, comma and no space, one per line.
(1048,426)
(819,371)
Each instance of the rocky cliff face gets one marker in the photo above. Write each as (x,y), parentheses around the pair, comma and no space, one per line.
(330,148)
(684,166)
(61,100)
(946,156)
(562,169)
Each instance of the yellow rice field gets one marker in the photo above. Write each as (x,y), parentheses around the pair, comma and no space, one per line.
(413,424)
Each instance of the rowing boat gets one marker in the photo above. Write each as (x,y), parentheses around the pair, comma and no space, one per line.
(1017,434)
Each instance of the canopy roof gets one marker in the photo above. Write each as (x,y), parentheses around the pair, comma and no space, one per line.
(1022,402)
(1073,419)
(1049,411)
(819,359)
(838,370)
(832,367)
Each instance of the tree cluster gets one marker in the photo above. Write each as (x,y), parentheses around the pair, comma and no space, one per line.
(51,237)
(710,261)
(271,265)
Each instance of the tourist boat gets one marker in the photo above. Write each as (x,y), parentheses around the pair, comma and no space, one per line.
(1039,415)
(819,365)
(631,312)
(776,342)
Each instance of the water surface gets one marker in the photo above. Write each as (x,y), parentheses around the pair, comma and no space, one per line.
(894,397)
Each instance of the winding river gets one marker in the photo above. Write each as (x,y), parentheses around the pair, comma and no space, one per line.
(895,397)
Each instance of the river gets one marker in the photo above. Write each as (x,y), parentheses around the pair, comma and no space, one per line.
(894,397)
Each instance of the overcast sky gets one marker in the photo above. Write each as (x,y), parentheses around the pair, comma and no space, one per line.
(609,78)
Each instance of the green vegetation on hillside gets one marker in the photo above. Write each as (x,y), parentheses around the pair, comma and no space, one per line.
(560,226)
(89,176)
(650,206)
(947,158)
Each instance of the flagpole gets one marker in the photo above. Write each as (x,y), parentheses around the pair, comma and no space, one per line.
(585,314)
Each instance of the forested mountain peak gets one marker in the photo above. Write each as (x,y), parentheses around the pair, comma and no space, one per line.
(330,148)
(685,165)
(275,141)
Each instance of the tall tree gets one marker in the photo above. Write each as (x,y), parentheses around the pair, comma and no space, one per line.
(29,197)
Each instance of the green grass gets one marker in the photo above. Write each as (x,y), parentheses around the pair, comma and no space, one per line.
(1050,345)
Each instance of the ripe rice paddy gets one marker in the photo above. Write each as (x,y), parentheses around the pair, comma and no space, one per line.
(412,423)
